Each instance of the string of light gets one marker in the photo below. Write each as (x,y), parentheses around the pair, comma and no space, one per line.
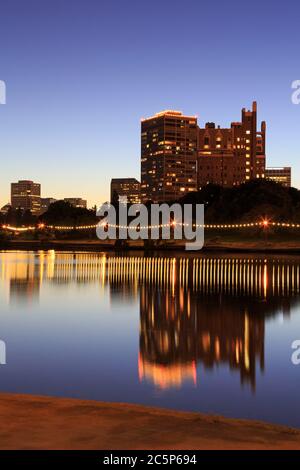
(263,224)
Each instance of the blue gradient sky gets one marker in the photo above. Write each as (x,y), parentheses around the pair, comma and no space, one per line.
(80,75)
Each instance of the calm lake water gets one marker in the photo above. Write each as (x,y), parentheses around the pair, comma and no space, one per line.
(210,334)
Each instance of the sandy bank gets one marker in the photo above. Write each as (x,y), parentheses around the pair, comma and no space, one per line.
(29,422)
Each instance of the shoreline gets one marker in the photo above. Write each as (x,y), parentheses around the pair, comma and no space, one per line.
(94,246)
(38,423)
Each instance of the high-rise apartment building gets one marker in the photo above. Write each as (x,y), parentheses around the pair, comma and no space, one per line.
(168,156)
(177,156)
(26,195)
(125,187)
(282,175)
(229,157)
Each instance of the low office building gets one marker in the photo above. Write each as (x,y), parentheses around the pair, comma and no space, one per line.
(121,188)
(45,203)
(282,175)
(5,209)
(76,202)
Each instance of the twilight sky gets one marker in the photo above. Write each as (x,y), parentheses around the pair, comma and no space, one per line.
(80,74)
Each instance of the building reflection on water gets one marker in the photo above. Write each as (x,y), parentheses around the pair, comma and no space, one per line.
(23,278)
(180,331)
(202,311)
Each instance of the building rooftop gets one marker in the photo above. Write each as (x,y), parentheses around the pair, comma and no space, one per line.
(169,112)
(278,168)
(128,180)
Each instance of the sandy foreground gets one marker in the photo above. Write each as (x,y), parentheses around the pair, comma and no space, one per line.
(34,422)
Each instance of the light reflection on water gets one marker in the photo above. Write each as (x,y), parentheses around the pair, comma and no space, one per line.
(211,334)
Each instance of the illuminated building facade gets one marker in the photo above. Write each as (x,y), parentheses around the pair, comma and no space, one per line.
(282,175)
(229,157)
(168,156)
(125,187)
(177,156)
(26,195)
